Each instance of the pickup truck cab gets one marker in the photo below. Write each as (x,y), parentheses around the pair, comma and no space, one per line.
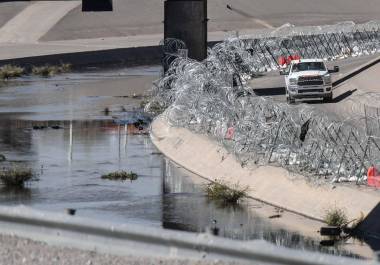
(308,78)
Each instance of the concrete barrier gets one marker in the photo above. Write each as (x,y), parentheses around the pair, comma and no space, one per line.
(274,185)
(87,234)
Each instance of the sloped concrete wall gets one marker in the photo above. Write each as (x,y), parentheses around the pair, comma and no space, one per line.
(206,158)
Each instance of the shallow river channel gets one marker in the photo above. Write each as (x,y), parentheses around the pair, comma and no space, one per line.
(70,154)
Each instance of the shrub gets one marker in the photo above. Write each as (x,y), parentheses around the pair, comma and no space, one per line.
(335,217)
(10,71)
(65,68)
(50,70)
(45,71)
(120,175)
(224,192)
(15,177)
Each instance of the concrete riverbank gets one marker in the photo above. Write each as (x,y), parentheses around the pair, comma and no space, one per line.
(207,158)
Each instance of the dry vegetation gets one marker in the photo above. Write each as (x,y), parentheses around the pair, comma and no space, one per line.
(15,177)
(335,217)
(51,70)
(11,71)
(225,192)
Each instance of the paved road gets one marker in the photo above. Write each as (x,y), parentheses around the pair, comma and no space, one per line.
(349,96)
(134,17)
(35,20)
(139,22)
(273,84)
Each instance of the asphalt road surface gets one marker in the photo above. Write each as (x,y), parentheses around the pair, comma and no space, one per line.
(349,96)
(135,17)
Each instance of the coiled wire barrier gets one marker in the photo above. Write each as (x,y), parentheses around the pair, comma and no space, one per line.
(210,97)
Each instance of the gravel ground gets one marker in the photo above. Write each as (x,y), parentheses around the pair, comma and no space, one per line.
(15,250)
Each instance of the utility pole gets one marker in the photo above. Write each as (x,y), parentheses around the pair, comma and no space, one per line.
(187,20)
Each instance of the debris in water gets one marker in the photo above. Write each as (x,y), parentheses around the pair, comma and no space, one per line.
(327,243)
(70,211)
(330,231)
(106,111)
(275,216)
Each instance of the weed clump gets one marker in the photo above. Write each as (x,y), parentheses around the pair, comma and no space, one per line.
(335,217)
(143,103)
(15,177)
(224,192)
(65,68)
(120,175)
(10,71)
(154,107)
(50,70)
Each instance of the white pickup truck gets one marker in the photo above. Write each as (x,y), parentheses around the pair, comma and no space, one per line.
(308,78)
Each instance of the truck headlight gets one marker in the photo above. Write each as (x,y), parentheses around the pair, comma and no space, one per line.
(327,79)
(293,81)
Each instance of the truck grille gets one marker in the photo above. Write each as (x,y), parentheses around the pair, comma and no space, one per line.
(310,81)
(310,90)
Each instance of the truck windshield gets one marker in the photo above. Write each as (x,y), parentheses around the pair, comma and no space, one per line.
(309,66)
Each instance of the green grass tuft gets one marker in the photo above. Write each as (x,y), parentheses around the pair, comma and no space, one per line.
(10,71)
(335,217)
(15,177)
(51,70)
(120,175)
(224,192)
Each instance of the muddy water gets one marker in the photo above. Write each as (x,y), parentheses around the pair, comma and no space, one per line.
(69,158)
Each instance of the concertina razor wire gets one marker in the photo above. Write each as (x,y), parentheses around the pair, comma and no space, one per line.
(211,97)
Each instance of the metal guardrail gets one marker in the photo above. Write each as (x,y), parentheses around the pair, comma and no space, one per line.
(72,231)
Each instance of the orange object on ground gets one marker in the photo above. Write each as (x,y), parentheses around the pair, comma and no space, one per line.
(373,179)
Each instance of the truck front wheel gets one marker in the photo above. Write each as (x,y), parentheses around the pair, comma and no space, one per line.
(328,98)
(290,99)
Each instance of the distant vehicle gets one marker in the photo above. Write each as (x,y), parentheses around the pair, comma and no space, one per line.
(308,78)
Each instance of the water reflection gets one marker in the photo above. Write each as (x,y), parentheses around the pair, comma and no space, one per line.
(70,158)
(186,208)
